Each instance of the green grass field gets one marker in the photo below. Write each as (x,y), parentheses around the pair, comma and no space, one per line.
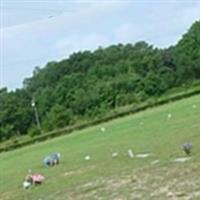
(120,178)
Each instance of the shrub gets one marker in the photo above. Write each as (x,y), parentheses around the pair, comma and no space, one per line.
(34,132)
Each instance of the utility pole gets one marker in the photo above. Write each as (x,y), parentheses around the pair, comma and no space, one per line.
(33,104)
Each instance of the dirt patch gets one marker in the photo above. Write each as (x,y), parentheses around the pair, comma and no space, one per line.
(118,183)
(176,182)
(78,171)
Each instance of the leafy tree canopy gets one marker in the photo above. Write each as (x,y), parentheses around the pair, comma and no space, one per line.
(89,84)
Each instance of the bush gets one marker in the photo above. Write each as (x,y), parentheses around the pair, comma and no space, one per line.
(34,132)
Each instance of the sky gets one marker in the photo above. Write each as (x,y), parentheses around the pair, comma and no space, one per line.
(34,32)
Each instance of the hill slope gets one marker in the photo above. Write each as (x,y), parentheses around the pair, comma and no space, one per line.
(103,177)
(89,85)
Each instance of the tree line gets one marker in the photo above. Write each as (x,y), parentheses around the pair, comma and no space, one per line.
(89,84)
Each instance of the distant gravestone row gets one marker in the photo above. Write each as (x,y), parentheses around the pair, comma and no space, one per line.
(54,159)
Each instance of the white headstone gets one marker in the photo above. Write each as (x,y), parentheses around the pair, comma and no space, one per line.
(155,162)
(26,184)
(103,129)
(114,155)
(87,157)
(194,106)
(130,153)
(142,155)
(181,160)
(169,115)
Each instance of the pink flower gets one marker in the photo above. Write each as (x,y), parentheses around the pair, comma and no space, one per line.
(37,178)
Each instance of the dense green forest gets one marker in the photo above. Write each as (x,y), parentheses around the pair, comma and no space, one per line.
(89,84)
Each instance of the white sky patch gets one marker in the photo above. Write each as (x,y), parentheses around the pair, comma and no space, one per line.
(128,32)
(75,43)
(191,13)
(78,25)
(17,12)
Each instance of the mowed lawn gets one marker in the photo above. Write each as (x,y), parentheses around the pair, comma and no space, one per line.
(103,177)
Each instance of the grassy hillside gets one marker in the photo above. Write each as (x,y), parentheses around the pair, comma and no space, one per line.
(104,177)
